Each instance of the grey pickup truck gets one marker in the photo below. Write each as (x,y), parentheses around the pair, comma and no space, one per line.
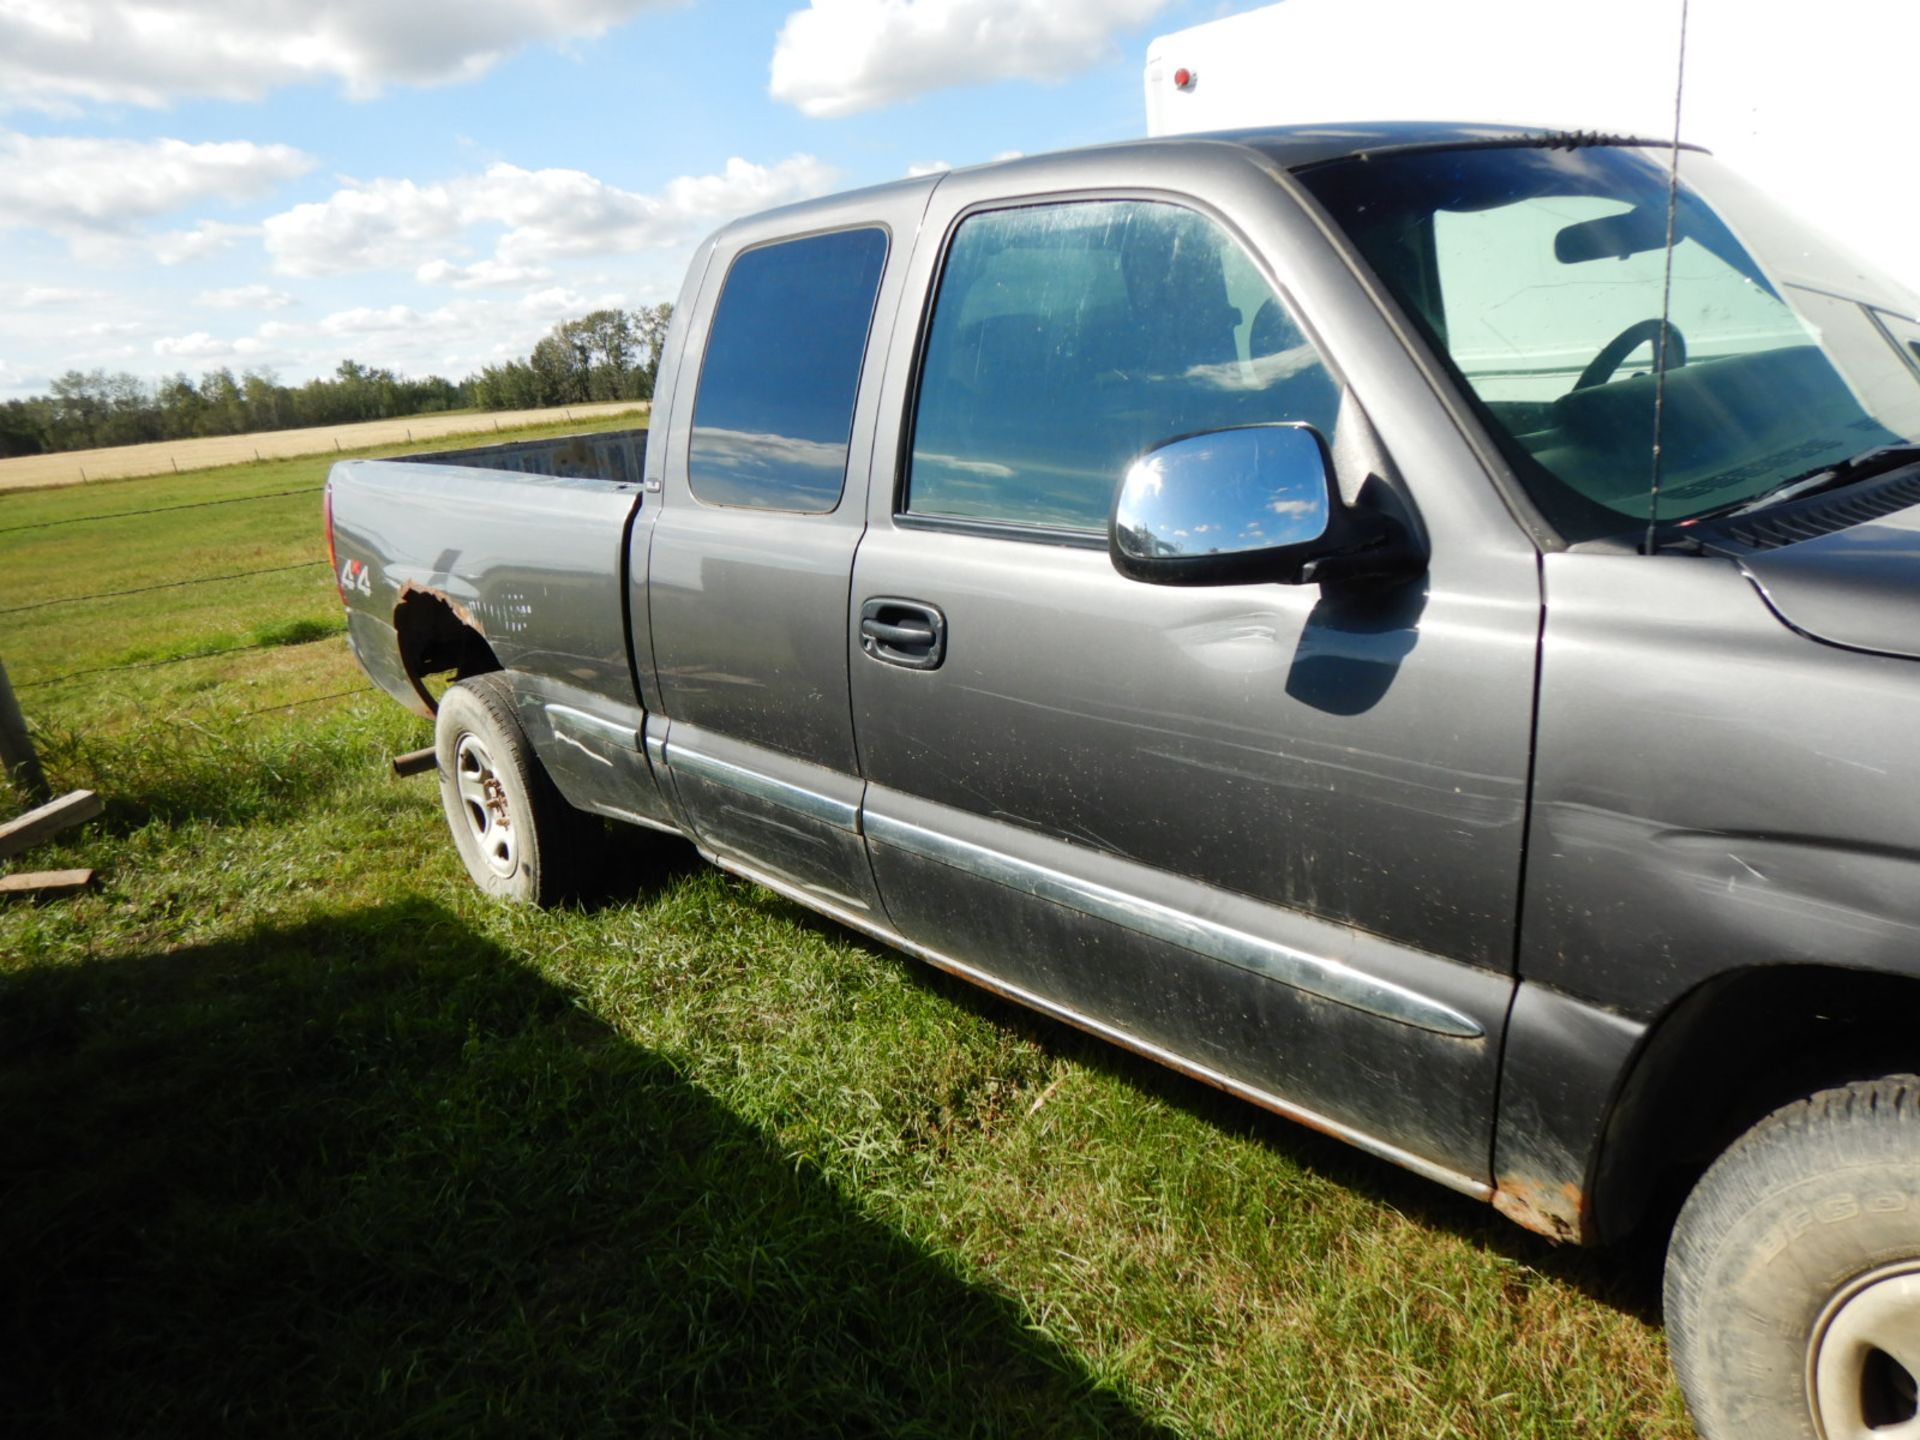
(1413,625)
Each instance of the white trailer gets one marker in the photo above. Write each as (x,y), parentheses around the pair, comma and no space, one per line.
(1811,102)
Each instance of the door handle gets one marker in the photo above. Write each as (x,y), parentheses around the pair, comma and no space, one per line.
(903,632)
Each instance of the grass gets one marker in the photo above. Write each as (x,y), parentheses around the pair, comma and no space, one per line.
(305,1137)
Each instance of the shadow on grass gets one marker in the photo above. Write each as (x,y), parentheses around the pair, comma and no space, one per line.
(373,1176)
(1625,1276)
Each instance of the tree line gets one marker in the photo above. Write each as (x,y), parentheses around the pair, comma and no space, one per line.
(605,355)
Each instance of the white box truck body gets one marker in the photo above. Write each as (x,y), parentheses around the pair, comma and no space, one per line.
(1813,103)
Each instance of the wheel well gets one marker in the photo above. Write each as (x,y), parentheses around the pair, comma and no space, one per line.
(436,636)
(1728,1055)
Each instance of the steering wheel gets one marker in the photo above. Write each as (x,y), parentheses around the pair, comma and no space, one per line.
(1600,369)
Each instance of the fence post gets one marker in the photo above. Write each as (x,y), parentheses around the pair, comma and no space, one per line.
(16,747)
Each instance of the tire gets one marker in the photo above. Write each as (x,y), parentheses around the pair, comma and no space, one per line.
(519,839)
(1793,1276)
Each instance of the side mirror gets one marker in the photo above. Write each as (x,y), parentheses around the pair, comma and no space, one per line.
(1234,507)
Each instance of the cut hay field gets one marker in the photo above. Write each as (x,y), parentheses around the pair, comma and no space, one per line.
(302,1137)
(168,457)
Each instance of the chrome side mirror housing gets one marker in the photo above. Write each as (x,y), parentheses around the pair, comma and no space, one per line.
(1245,505)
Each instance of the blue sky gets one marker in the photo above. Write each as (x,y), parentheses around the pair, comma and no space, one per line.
(430,184)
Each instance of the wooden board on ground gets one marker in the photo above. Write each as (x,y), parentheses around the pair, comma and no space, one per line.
(49,820)
(44,882)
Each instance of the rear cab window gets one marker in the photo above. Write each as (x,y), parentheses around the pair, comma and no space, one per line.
(774,410)
(1068,338)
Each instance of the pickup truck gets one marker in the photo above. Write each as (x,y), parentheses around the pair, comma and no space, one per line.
(1412,625)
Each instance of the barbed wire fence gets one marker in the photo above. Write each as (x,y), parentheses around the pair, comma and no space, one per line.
(165,585)
(161,509)
(228,577)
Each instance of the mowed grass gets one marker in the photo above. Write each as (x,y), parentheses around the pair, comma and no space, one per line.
(303,1137)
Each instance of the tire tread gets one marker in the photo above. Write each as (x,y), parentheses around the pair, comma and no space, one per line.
(1849,1127)
(560,850)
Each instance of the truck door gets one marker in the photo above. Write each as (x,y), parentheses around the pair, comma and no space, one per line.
(1270,833)
(751,554)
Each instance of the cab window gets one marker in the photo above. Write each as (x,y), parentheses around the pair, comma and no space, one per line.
(1066,339)
(774,411)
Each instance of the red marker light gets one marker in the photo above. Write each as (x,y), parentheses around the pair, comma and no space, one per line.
(1183,78)
(333,556)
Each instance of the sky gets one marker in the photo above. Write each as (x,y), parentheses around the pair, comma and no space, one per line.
(429,185)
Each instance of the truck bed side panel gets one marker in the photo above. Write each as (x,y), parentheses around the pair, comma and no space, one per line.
(534,565)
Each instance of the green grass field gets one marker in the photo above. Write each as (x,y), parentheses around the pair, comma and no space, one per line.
(303,1137)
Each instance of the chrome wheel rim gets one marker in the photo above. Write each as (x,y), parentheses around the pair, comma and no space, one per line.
(1864,1357)
(483,802)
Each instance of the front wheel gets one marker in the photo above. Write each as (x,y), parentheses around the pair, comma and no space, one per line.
(1793,1278)
(519,839)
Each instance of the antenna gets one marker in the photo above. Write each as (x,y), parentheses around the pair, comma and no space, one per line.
(1666,286)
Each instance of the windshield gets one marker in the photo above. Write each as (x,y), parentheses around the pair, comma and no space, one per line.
(1540,274)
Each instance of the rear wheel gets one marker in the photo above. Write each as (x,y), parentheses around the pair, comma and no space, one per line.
(519,839)
(1793,1279)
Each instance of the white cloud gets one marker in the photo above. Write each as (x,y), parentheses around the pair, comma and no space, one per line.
(209,237)
(382,224)
(454,338)
(148,52)
(245,297)
(841,56)
(554,300)
(104,328)
(926,167)
(372,320)
(197,346)
(542,214)
(481,275)
(97,189)
(38,296)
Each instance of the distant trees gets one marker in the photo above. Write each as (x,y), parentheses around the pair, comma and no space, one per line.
(93,408)
(606,355)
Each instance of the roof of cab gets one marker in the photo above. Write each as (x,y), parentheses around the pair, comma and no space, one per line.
(1291,147)
(1294,147)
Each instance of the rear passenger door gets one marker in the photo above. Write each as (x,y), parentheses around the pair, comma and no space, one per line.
(750,557)
(1272,833)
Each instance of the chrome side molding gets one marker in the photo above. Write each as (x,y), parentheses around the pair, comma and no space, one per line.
(1314,974)
(824,808)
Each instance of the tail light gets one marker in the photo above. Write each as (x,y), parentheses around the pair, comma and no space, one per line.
(333,557)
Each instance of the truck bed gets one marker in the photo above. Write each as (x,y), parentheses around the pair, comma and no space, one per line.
(524,544)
